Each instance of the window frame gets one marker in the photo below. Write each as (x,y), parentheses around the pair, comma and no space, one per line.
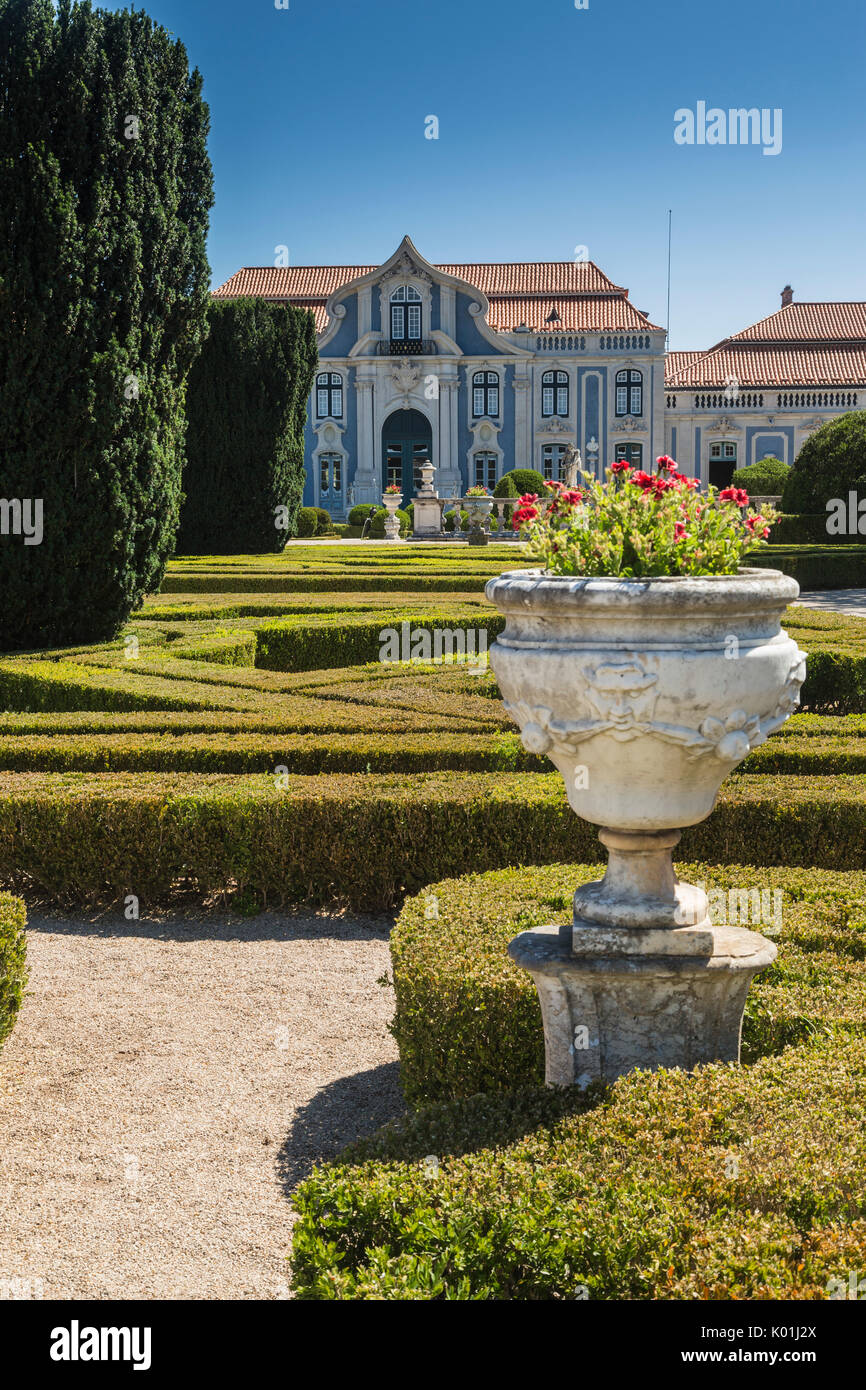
(628,385)
(330,386)
(407,312)
(554,391)
(485,385)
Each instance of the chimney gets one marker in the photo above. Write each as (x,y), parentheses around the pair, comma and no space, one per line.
(787,296)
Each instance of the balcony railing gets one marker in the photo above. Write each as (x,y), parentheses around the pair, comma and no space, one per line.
(406,347)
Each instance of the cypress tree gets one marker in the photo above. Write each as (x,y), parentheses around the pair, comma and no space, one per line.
(105,187)
(246,406)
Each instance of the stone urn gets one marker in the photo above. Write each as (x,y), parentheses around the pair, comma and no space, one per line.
(392,500)
(478,510)
(644,694)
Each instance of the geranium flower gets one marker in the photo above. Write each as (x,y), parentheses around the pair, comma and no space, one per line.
(757,523)
(734,494)
(620,466)
(665,463)
(642,479)
(679,531)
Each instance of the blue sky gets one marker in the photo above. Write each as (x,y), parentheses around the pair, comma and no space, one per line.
(555,131)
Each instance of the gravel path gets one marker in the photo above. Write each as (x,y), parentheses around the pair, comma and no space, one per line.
(851,601)
(169,1081)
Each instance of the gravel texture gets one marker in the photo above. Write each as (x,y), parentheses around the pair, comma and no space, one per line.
(167,1084)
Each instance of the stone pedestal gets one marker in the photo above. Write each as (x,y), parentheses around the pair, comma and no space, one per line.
(427,508)
(617,998)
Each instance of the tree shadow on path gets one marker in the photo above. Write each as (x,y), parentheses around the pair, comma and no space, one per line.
(348,1109)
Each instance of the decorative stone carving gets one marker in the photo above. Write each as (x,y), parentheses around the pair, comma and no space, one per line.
(724,425)
(406,376)
(628,424)
(555,425)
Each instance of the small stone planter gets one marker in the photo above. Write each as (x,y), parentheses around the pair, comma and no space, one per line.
(392,501)
(478,509)
(644,694)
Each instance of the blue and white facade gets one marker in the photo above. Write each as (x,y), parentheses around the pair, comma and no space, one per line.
(410,365)
(484,368)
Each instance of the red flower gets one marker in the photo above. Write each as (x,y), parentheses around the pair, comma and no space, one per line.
(571,496)
(642,479)
(734,494)
(755,522)
(528,499)
(679,531)
(666,464)
(620,466)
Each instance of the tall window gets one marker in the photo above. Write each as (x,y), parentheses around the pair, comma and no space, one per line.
(629,393)
(554,393)
(329,395)
(632,453)
(485,394)
(551,461)
(485,470)
(405,315)
(331,477)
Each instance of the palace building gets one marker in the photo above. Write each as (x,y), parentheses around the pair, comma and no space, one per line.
(487,367)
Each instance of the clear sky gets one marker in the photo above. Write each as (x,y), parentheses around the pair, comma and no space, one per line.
(556,131)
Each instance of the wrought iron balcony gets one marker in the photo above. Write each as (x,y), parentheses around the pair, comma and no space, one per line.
(406,347)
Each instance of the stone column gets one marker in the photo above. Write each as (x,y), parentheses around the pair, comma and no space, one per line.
(367,482)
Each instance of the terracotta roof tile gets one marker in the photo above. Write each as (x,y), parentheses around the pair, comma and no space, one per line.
(768,366)
(519,292)
(584,313)
(799,323)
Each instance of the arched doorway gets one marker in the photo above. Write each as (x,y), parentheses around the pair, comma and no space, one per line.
(407,440)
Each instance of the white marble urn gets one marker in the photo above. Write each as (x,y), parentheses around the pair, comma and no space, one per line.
(391,501)
(645,694)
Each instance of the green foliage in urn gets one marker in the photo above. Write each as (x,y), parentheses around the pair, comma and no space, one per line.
(637,524)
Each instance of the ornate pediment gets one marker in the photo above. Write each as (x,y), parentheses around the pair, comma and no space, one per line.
(628,424)
(724,425)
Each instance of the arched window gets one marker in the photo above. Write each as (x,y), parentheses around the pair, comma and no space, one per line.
(632,453)
(485,470)
(329,395)
(629,393)
(405,315)
(551,462)
(554,393)
(485,394)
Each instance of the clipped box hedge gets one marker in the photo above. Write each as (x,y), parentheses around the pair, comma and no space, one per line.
(816,566)
(13,961)
(467,1018)
(728,1183)
(89,837)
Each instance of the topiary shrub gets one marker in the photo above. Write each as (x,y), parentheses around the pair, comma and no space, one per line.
(307,522)
(359,513)
(449,522)
(377,528)
(506,488)
(410,512)
(246,405)
(104,275)
(766,478)
(324,523)
(830,464)
(13,957)
(524,480)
